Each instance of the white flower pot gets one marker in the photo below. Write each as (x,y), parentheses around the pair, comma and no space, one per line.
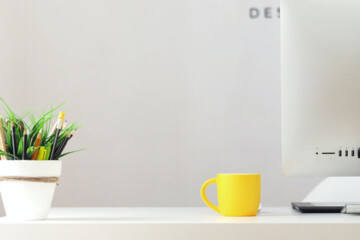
(28,200)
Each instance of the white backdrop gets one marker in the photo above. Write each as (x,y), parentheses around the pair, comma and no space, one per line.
(170,93)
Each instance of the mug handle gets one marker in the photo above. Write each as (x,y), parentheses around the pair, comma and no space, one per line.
(203,195)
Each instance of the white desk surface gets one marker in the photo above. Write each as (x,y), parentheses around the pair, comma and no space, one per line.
(180,223)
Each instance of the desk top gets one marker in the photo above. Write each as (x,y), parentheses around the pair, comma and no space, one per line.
(180,223)
(187,215)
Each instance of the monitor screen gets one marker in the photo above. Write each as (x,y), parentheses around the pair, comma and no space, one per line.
(320,87)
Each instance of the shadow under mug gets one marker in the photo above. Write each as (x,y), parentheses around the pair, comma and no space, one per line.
(238,194)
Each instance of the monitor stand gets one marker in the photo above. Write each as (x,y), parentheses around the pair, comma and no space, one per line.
(330,195)
(307,207)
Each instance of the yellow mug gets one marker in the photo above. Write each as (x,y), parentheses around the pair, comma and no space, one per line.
(238,194)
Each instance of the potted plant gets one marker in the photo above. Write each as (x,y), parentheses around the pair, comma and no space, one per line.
(30,167)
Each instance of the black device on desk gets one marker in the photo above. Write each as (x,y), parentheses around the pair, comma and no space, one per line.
(308,207)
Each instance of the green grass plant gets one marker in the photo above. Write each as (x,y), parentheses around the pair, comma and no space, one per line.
(42,124)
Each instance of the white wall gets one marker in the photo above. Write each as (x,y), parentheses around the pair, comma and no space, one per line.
(170,93)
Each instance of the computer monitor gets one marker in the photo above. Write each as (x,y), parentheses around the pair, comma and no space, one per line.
(320,87)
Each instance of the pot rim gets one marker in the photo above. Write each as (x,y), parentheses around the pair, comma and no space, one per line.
(30,168)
